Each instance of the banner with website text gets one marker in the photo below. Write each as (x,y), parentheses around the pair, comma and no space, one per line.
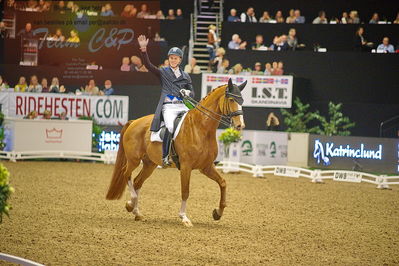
(261,91)
(106,110)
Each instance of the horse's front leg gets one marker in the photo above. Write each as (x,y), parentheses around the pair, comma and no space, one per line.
(185,173)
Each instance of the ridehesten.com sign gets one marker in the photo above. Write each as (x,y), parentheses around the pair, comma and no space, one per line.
(107,110)
(354,153)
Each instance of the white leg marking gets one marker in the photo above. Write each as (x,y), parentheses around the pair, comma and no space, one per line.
(183,216)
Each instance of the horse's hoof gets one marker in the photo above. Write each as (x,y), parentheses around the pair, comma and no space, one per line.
(129,206)
(187,223)
(138,217)
(215,215)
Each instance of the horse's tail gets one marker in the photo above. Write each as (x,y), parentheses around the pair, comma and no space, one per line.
(118,182)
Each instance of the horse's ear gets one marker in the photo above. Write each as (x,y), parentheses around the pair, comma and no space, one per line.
(242,85)
(230,86)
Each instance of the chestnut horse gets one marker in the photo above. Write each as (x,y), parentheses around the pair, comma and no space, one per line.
(196,146)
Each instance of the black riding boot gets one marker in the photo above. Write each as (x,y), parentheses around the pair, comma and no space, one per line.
(166,148)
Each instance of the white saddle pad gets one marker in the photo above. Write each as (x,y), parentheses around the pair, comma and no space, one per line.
(155,136)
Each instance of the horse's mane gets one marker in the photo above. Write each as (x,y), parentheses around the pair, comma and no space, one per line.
(210,92)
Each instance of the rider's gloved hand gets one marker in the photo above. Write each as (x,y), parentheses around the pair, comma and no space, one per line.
(185,92)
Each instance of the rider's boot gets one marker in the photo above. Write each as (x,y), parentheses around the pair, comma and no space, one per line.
(166,148)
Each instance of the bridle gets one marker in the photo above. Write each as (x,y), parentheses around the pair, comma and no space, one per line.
(226,117)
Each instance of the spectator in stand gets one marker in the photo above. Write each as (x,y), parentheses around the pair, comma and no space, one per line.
(396,21)
(236,69)
(34,85)
(143,12)
(74,38)
(160,15)
(106,11)
(171,14)
(60,8)
(125,64)
(3,31)
(236,43)
(249,16)
(291,18)
(385,47)
(292,40)
(69,6)
(279,43)
(55,85)
(268,69)
(44,84)
(279,17)
(108,90)
(321,19)
(137,65)
(58,35)
(277,69)
(298,18)
(374,19)
(31,115)
(213,41)
(265,17)
(257,69)
(223,69)
(354,16)
(216,63)
(233,16)
(192,68)
(345,17)
(26,33)
(32,6)
(258,44)
(129,11)
(43,6)
(22,85)
(360,41)
(179,14)
(47,114)
(3,84)
(91,88)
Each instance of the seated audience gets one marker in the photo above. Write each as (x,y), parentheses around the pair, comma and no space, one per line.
(125,64)
(58,35)
(236,43)
(257,69)
(216,63)
(233,16)
(43,6)
(31,115)
(179,14)
(143,12)
(396,21)
(137,64)
(258,44)
(63,116)
(129,11)
(291,18)
(265,18)
(385,46)
(249,16)
(171,14)
(55,85)
(106,11)
(160,15)
(360,41)
(44,84)
(345,17)
(236,69)
(321,19)
(223,68)
(279,17)
(22,85)
(60,8)
(108,90)
(26,33)
(192,68)
(74,37)
(277,69)
(298,18)
(292,40)
(91,88)
(47,114)
(374,19)
(279,43)
(3,31)
(354,17)
(268,69)
(34,85)
(3,84)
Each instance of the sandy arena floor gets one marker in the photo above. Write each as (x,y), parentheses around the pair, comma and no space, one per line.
(61,217)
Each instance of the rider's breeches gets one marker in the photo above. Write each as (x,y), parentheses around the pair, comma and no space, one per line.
(170,112)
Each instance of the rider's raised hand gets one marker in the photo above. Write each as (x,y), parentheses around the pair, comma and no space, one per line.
(143,41)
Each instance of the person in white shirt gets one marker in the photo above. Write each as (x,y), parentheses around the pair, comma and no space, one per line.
(385,47)
(192,68)
(249,16)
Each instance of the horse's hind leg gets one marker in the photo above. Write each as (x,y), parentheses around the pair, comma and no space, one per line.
(146,171)
(213,174)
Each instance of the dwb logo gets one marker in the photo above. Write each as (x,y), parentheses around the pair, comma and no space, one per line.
(246,148)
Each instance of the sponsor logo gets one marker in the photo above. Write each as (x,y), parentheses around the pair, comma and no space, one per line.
(246,148)
(108,141)
(53,135)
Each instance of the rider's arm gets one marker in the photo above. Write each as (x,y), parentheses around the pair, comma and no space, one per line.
(147,63)
(189,86)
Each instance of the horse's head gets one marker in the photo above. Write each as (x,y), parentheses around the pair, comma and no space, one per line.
(231,104)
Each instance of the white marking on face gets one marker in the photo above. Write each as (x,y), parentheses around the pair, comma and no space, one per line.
(241,116)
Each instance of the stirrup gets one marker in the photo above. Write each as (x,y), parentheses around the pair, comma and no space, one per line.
(166,162)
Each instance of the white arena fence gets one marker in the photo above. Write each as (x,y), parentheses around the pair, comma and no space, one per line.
(316,176)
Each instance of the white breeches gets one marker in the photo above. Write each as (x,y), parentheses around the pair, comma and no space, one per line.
(170,112)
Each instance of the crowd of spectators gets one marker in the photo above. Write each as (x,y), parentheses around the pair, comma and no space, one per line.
(104,10)
(54,87)
(294,16)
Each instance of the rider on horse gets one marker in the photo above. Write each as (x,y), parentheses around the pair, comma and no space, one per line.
(175,85)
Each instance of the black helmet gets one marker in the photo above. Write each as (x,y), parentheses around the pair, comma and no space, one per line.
(176,51)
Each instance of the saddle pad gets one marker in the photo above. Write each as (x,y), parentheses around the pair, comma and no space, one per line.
(156,136)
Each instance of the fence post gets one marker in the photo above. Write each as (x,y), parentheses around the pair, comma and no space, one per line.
(316,174)
(382,182)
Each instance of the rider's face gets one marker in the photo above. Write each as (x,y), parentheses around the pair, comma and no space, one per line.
(174,61)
